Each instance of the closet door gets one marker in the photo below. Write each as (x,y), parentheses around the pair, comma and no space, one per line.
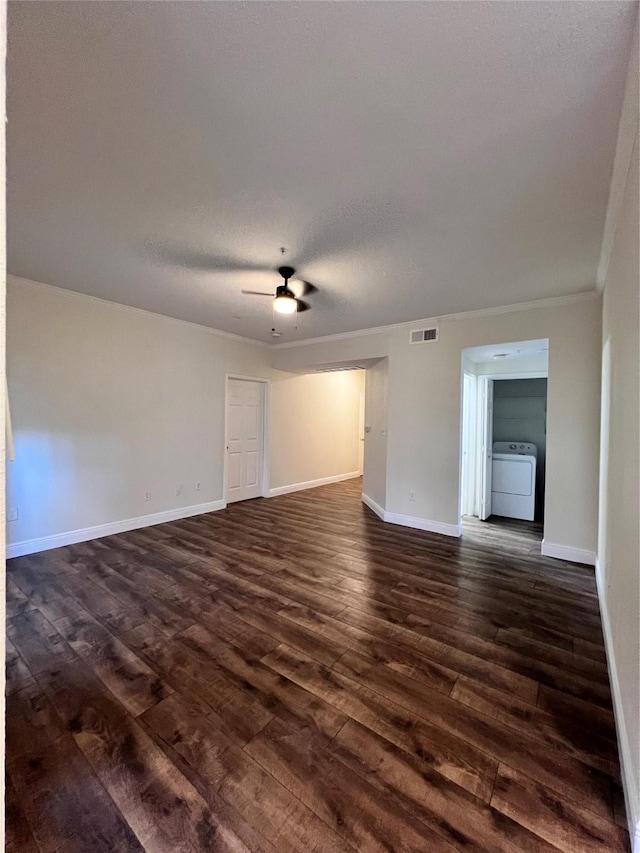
(245,439)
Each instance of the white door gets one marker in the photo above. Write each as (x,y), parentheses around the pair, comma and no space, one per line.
(361,435)
(486,446)
(467,470)
(245,439)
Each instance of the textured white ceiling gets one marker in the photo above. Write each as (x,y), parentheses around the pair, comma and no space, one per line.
(416,159)
(517,351)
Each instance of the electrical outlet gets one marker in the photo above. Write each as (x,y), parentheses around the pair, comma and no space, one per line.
(198,485)
(178,490)
(12,514)
(412,496)
(147,496)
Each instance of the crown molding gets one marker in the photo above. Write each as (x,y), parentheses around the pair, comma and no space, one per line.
(74,294)
(627,136)
(551,302)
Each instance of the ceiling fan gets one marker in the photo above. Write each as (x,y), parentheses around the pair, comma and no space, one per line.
(287,298)
(284,299)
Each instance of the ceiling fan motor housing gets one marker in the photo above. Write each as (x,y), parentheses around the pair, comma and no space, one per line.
(286,272)
(286,302)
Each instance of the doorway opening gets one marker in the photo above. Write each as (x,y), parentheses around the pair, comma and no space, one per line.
(503,438)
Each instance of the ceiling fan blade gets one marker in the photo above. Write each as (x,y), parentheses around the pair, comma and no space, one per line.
(257,293)
(299,287)
(353,224)
(308,288)
(302,305)
(184,257)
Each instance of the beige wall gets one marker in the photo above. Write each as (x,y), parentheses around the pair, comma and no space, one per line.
(423,414)
(314,427)
(619,543)
(109,403)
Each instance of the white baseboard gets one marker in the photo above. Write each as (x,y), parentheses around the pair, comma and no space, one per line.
(412,521)
(423,524)
(565,552)
(373,506)
(629,783)
(312,484)
(45,543)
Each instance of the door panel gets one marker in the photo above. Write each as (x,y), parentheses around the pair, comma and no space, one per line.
(361,434)
(468,497)
(233,470)
(252,468)
(486,450)
(245,431)
(234,422)
(251,412)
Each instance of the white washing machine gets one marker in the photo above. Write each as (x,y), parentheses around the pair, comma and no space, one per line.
(513,484)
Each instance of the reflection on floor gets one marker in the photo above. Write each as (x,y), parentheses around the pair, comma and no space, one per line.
(293,674)
(521,537)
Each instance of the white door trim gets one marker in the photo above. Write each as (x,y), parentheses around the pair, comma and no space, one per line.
(361,423)
(486,446)
(266,415)
(517,374)
(468,430)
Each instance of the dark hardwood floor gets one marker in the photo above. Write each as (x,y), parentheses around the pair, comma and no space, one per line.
(294,675)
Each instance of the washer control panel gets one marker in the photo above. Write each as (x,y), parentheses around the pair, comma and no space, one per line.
(520,448)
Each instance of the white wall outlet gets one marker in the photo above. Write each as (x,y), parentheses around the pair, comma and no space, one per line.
(412,496)
(12,514)
(147,496)
(198,485)
(178,490)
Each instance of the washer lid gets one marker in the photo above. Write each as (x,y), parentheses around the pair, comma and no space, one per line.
(519,448)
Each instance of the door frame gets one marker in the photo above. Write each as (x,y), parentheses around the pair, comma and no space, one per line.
(266,421)
(515,374)
(485,447)
(468,419)
(361,425)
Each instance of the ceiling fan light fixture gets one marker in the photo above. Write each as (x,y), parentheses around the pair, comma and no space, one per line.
(285,301)
(285,304)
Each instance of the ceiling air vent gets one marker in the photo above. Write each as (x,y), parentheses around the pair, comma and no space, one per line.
(337,369)
(424,336)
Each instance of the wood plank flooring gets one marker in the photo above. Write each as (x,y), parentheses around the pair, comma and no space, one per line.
(294,675)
